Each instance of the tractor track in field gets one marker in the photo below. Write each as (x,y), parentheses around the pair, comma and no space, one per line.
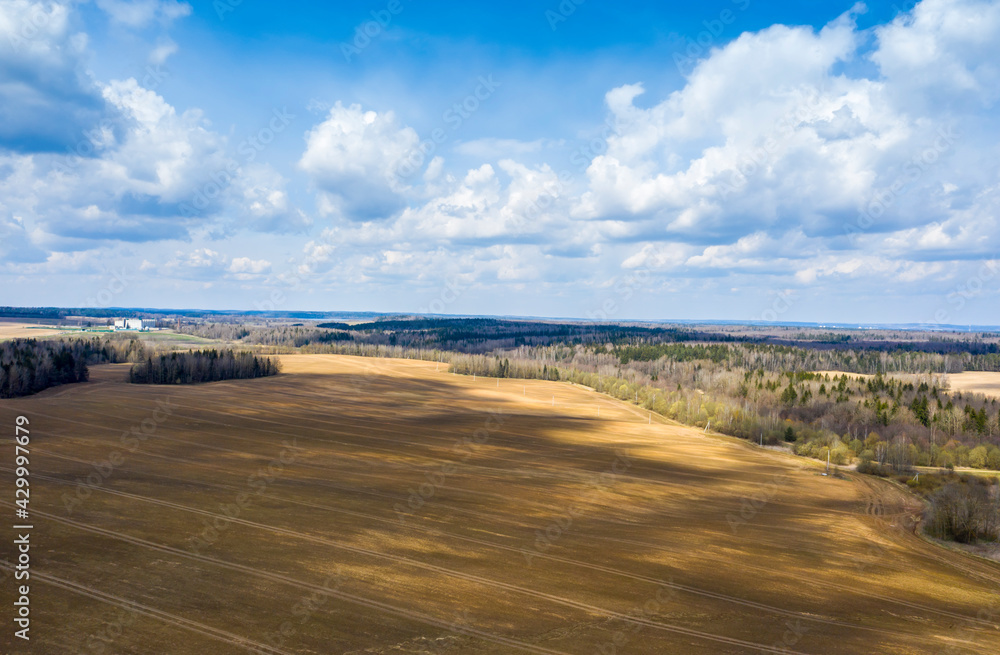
(435,462)
(145,610)
(370,425)
(874,500)
(585,607)
(555,558)
(909,508)
(543,595)
(529,454)
(662,513)
(874,507)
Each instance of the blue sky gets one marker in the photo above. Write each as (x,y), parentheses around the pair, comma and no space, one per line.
(808,161)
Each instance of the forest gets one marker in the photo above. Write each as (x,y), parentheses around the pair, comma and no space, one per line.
(202,366)
(631,342)
(472,335)
(28,366)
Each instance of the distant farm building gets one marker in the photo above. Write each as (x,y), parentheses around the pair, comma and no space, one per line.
(132,324)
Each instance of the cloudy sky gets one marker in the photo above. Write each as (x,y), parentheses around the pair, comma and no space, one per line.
(736,159)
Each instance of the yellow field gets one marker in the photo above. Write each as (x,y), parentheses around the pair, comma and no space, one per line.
(26,331)
(986,383)
(357,506)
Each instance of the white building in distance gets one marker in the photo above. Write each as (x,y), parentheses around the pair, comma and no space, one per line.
(132,324)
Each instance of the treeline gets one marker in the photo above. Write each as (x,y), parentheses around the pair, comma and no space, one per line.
(911,420)
(284,336)
(202,366)
(778,358)
(472,336)
(674,351)
(629,343)
(28,366)
(33,312)
(497,367)
(58,313)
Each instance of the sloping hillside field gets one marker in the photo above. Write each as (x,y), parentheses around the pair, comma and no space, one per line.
(378,506)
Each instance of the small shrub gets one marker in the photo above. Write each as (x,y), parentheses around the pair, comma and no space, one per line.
(872,468)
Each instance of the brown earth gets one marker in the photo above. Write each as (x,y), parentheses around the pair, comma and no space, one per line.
(355,505)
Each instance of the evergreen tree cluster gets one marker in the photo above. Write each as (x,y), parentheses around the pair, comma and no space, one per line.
(202,366)
(28,366)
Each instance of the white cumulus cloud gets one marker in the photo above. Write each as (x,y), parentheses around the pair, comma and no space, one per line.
(354,158)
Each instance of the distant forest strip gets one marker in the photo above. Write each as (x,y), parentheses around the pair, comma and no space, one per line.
(455,335)
(202,366)
(28,366)
(624,343)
